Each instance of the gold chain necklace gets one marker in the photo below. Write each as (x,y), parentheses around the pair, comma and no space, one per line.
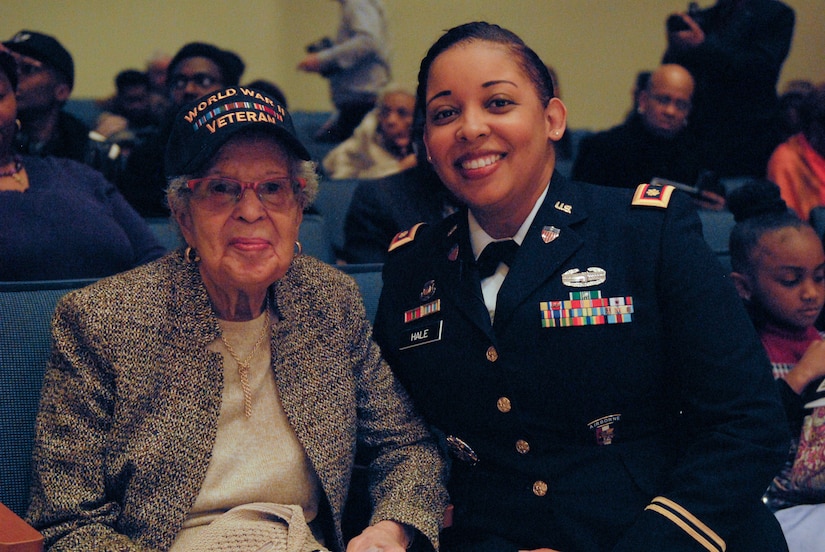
(244,365)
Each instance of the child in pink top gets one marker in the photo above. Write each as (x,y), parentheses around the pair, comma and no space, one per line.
(779,271)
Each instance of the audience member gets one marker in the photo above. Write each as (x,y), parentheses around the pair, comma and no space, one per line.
(790,100)
(382,144)
(128,120)
(46,79)
(779,270)
(156,68)
(650,423)
(356,64)
(735,50)
(383,207)
(639,84)
(653,142)
(61,219)
(270,88)
(195,70)
(797,165)
(217,404)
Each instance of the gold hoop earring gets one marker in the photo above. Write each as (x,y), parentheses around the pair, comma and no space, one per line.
(298,248)
(191,256)
(18,123)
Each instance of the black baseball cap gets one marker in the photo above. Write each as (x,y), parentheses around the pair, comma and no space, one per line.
(203,126)
(43,48)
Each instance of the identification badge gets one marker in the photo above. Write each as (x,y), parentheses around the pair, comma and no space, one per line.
(421,335)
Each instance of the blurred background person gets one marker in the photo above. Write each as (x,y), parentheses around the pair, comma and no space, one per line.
(356,63)
(46,78)
(381,144)
(61,219)
(734,50)
(652,142)
(128,120)
(196,69)
(797,165)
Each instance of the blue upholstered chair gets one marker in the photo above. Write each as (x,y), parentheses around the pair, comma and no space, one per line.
(332,203)
(25,328)
(369,280)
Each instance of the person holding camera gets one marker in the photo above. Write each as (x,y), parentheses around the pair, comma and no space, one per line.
(734,50)
(356,64)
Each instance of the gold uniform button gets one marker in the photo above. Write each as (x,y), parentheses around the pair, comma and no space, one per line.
(522,446)
(503,405)
(492,354)
(539,488)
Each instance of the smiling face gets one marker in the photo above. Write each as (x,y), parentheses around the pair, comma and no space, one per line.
(488,134)
(245,247)
(789,276)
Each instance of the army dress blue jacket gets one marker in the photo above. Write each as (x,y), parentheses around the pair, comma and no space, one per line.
(621,400)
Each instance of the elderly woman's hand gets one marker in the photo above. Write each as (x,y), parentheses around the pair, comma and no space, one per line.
(384,536)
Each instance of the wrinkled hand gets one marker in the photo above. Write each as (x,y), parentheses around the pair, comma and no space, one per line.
(311,63)
(689,38)
(810,367)
(384,536)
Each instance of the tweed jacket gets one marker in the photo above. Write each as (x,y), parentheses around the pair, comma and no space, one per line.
(131,399)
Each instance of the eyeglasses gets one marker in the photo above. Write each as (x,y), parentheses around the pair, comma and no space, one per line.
(26,69)
(665,100)
(201,80)
(220,193)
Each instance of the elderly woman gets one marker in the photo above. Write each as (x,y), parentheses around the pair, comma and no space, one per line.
(213,399)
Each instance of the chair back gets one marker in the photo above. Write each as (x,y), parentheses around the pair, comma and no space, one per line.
(369,280)
(332,203)
(314,238)
(716,228)
(26,310)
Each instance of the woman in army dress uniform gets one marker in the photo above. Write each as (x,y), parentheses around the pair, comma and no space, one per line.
(602,388)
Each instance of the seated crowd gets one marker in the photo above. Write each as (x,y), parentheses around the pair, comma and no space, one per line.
(282,338)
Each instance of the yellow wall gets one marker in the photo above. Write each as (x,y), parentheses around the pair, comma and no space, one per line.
(597,46)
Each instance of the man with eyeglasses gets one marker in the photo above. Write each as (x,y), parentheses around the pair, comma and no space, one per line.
(196,70)
(45,81)
(652,142)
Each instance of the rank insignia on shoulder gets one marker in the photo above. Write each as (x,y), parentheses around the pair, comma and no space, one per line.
(405,237)
(648,195)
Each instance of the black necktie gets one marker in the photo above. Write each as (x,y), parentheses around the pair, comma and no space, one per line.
(496,252)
